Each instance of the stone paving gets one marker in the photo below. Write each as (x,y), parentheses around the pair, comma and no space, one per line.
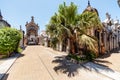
(41,63)
(110,60)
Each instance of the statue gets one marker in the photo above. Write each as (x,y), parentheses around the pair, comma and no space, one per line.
(109,21)
(108,16)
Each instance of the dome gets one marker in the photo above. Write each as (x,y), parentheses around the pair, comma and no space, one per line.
(3,23)
(90,9)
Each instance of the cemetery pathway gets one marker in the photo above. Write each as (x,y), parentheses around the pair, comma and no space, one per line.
(41,63)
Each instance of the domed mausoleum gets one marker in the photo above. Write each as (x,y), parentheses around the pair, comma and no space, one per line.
(96,32)
(92,31)
(3,23)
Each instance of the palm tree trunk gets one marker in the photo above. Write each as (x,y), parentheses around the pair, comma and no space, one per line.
(68,46)
(72,50)
(60,48)
(57,46)
(85,49)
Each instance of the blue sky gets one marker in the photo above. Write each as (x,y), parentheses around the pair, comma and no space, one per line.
(18,12)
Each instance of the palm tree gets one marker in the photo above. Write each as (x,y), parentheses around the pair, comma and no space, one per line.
(62,24)
(51,30)
(56,30)
(68,16)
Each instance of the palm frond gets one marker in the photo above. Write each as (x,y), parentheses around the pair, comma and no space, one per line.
(89,41)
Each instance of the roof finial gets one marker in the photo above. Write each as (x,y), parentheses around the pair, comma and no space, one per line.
(108,16)
(1,15)
(88,2)
(32,19)
(116,17)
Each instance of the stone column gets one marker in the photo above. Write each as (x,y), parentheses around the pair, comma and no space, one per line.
(105,41)
(99,43)
(60,48)
(68,46)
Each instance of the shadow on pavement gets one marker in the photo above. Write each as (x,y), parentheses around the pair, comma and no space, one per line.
(71,68)
(97,67)
(4,77)
(66,66)
(13,56)
(21,55)
(102,62)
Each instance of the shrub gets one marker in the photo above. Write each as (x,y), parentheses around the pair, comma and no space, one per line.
(77,57)
(9,40)
(90,55)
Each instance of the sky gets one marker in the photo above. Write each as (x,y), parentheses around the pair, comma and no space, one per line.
(18,12)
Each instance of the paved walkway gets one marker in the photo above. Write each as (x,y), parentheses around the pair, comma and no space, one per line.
(40,63)
(110,60)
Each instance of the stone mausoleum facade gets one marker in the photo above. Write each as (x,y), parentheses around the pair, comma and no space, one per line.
(32,28)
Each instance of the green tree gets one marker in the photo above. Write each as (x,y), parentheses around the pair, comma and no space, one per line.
(63,23)
(68,15)
(9,40)
(55,30)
